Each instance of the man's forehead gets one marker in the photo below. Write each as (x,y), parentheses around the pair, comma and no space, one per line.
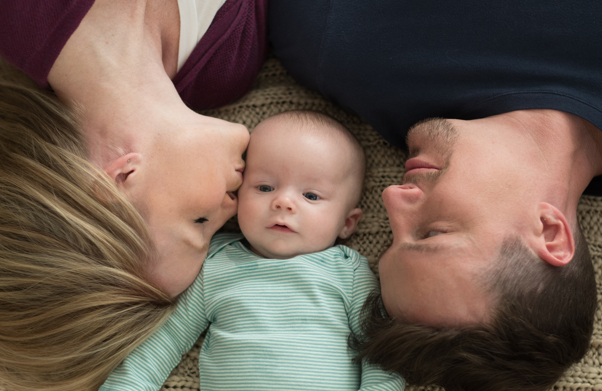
(440,288)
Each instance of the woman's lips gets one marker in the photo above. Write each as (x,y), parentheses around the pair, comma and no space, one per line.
(239,181)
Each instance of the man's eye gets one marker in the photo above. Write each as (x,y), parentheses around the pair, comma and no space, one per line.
(200,220)
(265,188)
(430,234)
(311,196)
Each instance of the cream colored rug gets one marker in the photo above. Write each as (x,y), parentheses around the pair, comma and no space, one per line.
(275,91)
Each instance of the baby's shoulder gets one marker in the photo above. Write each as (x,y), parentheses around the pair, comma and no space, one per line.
(345,255)
(222,240)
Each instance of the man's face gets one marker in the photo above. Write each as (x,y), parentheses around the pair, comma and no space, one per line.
(448,219)
(297,190)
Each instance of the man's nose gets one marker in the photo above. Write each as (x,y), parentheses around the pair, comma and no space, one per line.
(283,203)
(403,198)
(410,193)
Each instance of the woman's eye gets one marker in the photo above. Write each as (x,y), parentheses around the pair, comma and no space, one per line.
(311,196)
(200,220)
(265,188)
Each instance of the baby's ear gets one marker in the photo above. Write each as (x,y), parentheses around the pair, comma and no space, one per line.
(353,217)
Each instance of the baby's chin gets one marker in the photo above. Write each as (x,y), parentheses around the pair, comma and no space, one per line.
(279,253)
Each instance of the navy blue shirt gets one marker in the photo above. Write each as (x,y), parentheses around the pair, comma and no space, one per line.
(396,62)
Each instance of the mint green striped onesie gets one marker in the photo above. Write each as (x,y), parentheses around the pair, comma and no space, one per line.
(274,324)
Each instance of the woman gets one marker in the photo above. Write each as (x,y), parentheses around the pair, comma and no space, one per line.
(112,62)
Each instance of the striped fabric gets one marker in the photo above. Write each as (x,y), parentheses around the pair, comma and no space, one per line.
(274,325)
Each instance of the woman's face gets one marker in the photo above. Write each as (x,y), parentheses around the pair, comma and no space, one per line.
(185,192)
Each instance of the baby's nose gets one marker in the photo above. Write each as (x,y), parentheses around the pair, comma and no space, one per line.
(283,203)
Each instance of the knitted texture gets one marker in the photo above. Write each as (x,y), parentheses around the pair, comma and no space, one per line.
(275,91)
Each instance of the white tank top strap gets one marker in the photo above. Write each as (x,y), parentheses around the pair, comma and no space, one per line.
(195,18)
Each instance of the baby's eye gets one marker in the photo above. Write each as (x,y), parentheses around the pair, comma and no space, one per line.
(200,220)
(265,188)
(311,196)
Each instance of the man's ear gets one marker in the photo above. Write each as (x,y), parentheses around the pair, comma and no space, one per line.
(353,217)
(122,169)
(554,236)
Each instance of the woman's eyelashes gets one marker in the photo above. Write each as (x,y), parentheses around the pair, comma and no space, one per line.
(201,220)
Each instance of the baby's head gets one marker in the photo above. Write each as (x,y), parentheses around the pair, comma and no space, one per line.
(302,184)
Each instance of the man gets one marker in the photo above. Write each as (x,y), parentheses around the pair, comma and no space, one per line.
(487,209)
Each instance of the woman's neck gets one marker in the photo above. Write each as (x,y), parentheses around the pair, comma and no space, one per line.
(113,72)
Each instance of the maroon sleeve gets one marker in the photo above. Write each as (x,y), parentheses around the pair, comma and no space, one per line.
(33,32)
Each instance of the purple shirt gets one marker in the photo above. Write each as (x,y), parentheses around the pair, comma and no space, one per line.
(220,69)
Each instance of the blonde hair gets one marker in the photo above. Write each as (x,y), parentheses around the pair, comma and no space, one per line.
(74,300)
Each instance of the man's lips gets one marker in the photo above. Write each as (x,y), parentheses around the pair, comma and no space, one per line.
(281,228)
(419,166)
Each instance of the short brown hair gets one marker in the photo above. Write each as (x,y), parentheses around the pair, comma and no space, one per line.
(74,300)
(542,325)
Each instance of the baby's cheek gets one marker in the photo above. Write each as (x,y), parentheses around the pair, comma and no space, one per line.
(324,232)
(247,217)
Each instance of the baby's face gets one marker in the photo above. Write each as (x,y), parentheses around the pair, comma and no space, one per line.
(297,192)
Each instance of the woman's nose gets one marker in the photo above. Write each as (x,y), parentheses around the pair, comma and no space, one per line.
(241,135)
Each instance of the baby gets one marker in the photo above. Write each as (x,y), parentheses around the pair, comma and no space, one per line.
(280,302)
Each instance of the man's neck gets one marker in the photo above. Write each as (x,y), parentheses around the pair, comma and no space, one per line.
(570,150)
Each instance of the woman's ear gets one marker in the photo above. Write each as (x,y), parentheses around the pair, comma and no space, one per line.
(353,217)
(122,168)
(554,236)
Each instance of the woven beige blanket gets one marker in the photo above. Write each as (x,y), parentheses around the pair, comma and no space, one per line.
(275,91)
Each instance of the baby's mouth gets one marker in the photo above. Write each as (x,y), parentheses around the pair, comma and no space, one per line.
(281,228)
(232,195)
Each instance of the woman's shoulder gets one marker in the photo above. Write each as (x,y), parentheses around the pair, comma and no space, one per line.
(34,32)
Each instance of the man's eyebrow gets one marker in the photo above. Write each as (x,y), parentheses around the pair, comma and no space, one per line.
(422,247)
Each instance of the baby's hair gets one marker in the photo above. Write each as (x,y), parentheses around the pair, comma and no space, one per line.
(324,124)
